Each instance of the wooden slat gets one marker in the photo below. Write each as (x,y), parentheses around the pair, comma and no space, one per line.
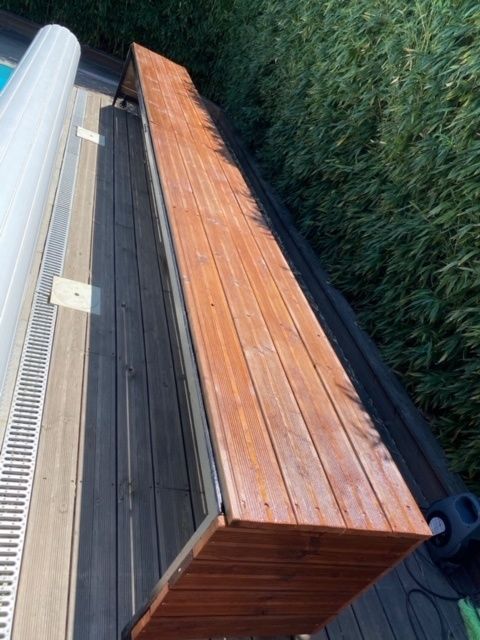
(393,599)
(138,560)
(288,571)
(345,587)
(184,374)
(120,544)
(237,607)
(172,479)
(431,618)
(323,556)
(202,598)
(190,628)
(170,468)
(370,615)
(285,548)
(297,333)
(307,542)
(344,627)
(94,599)
(297,457)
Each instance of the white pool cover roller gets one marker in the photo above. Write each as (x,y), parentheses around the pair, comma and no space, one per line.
(32,112)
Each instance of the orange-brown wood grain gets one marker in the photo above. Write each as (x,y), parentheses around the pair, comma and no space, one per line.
(335,470)
(196,629)
(264,595)
(314,504)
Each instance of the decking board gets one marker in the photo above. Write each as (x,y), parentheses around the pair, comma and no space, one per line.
(96,502)
(136,509)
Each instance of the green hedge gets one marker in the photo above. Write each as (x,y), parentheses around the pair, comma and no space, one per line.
(366,116)
(186,30)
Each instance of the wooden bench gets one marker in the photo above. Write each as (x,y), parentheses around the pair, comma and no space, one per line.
(312,509)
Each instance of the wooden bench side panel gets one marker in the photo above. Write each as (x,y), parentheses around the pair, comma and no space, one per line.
(248,582)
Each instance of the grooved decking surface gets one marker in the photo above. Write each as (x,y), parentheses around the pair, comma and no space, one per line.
(315,509)
(294,443)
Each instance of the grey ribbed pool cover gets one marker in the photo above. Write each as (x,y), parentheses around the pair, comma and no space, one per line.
(32,112)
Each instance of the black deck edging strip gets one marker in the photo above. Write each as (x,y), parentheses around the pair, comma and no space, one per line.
(422,460)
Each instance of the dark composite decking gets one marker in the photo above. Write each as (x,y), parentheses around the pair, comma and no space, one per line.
(135,412)
(111,505)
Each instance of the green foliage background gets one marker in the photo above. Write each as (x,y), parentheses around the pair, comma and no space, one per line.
(366,116)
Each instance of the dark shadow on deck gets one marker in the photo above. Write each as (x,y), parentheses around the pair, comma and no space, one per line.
(139,500)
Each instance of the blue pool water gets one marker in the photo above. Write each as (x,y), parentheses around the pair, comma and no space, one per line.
(5,73)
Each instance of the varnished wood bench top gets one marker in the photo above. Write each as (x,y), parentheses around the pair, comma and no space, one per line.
(293,443)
